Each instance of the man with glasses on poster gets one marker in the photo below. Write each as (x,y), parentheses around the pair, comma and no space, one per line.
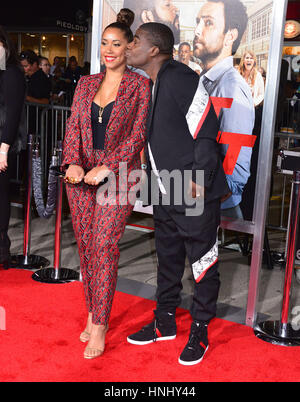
(220,27)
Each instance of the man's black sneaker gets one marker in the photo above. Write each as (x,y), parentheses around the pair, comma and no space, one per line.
(197,345)
(162,328)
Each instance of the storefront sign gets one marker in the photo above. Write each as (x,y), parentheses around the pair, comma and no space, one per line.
(71,27)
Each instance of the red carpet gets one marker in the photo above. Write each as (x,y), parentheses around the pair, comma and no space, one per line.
(41,343)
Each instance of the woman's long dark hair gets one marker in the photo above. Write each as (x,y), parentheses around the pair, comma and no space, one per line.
(10,51)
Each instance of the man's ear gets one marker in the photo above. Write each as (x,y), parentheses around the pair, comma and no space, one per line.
(147,16)
(154,51)
(230,37)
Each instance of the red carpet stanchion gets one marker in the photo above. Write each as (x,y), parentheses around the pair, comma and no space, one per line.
(282,332)
(57,274)
(28,261)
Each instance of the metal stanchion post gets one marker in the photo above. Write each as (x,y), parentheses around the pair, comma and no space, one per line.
(56,274)
(282,332)
(28,261)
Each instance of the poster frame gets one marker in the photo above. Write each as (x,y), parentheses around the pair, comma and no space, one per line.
(257,226)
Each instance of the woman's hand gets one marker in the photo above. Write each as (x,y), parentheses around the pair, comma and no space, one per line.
(74,174)
(96,175)
(3,162)
(3,156)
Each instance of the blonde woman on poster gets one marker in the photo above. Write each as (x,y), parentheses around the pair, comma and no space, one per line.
(248,70)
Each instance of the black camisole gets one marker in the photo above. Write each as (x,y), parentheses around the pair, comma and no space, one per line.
(99,129)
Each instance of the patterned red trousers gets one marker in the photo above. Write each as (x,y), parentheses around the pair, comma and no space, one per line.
(98,230)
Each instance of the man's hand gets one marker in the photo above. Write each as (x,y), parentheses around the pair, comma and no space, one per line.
(196,191)
(42,101)
(3,156)
(225,197)
(96,175)
(74,174)
(3,162)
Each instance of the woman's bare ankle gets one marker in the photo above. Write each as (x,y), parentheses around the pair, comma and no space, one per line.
(88,327)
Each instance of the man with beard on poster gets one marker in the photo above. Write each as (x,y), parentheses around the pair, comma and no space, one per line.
(220,27)
(163,11)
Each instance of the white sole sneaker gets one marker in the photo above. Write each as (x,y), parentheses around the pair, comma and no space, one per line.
(141,343)
(184,363)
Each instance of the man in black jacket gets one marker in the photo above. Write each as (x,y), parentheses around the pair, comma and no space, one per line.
(38,84)
(181,137)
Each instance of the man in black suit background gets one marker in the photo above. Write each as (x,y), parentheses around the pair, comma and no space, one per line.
(176,142)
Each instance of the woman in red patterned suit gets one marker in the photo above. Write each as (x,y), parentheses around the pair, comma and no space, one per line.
(107,126)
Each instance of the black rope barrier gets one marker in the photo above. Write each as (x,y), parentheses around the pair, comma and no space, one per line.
(44,211)
(27,260)
(57,274)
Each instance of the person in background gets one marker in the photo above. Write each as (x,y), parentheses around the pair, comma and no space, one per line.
(72,76)
(86,69)
(248,70)
(12,96)
(56,63)
(73,72)
(175,54)
(38,84)
(45,65)
(263,73)
(184,56)
(59,86)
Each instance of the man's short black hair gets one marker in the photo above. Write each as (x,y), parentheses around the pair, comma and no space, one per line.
(184,44)
(235,18)
(30,56)
(160,35)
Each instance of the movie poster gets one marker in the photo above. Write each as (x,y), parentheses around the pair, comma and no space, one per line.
(181,16)
(203,34)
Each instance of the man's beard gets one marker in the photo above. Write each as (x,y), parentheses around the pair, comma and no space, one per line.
(204,54)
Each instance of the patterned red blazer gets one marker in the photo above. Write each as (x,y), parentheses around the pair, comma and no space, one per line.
(126,131)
